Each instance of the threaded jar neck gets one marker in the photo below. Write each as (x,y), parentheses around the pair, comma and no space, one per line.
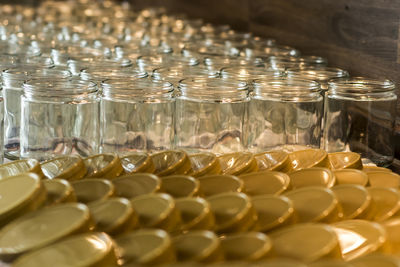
(248,73)
(320,74)
(287,89)
(14,78)
(360,88)
(136,90)
(56,90)
(177,73)
(213,90)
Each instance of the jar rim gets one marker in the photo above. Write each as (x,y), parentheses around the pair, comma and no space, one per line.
(361,85)
(55,87)
(285,84)
(322,74)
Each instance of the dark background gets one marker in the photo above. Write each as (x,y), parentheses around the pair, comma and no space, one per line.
(361,36)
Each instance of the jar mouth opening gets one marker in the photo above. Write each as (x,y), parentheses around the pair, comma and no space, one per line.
(302,59)
(55,87)
(361,85)
(137,84)
(183,73)
(212,85)
(285,84)
(102,74)
(317,73)
(224,61)
(250,73)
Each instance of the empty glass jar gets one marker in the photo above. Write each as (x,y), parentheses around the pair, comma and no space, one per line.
(285,114)
(136,114)
(360,117)
(59,118)
(211,115)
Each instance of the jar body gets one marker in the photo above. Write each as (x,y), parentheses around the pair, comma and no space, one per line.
(53,127)
(12,119)
(216,126)
(136,125)
(363,125)
(288,125)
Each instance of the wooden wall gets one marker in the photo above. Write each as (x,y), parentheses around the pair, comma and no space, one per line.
(361,36)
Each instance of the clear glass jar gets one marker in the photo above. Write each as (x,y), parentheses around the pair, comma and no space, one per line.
(249,73)
(285,62)
(12,91)
(285,114)
(211,115)
(59,118)
(360,117)
(136,115)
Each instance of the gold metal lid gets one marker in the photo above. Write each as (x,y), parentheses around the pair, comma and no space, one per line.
(315,176)
(171,162)
(20,166)
(66,167)
(204,164)
(238,163)
(113,216)
(272,160)
(137,162)
(345,160)
(43,227)
(180,186)
(147,246)
(307,158)
(20,194)
(89,249)
(136,184)
(93,189)
(265,182)
(106,166)
(220,183)
(59,191)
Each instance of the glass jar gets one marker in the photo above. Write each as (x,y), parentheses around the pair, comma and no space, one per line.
(249,73)
(59,118)
(12,86)
(136,115)
(211,115)
(285,114)
(360,116)
(285,62)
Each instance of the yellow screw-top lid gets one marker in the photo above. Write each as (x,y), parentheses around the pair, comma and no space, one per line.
(385,203)
(204,164)
(89,190)
(113,216)
(251,246)
(273,211)
(354,200)
(150,246)
(358,237)
(272,160)
(265,182)
(20,166)
(384,179)
(171,162)
(43,227)
(220,183)
(196,214)
(315,204)
(315,176)
(106,166)
(233,212)
(307,158)
(67,167)
(138,162)
(59,191)
(306,242)
(19,195)
(89,249)
(345,160)
(351,176)
(157,211)
(376,260)
(180,186)
(136,184)
(238,163)
(375,169)
(198,246)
